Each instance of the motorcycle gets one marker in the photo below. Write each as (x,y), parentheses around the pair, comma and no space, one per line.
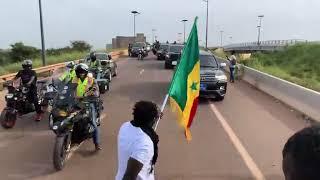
(103,78)
(17,104)
(46,93)
(140,54)
(71,122)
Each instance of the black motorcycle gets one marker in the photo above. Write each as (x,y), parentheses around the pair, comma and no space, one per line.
(141,54)
(103,78)
(17,104)
(71,122)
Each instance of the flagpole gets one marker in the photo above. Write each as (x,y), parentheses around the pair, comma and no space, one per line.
(161,110)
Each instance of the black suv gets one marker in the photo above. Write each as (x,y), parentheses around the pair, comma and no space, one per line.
(138,46)
(213,81)
(173,55)
(161,53)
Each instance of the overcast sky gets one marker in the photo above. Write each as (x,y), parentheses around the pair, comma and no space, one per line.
(97,21)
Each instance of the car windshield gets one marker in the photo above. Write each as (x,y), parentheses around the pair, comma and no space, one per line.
(164,47)
(208,61)
(102,56)
(138,45)
(176,49)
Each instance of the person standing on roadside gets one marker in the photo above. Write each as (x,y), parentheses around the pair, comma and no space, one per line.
(138,144)
(232,65)
(301,155)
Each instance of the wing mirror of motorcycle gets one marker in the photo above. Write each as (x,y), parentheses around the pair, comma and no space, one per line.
(109,57)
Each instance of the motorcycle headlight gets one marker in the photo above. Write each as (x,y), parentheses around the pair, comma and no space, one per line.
(62,97)
(167,55)
(55,127)
(221,77)
(62,113)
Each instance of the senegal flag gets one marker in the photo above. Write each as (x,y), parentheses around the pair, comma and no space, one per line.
(185,85)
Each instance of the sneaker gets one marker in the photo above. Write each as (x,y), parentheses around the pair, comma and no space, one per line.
(98,147)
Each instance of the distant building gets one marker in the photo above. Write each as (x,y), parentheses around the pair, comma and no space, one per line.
(123,41)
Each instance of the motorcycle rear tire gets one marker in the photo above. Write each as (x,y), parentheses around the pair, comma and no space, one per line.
(7,120)
(60,152)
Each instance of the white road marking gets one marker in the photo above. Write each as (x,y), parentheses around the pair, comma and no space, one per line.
(255,171)
(141,71)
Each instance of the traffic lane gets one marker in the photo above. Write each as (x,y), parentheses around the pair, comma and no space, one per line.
(262,123)
(27,149)
(209,156)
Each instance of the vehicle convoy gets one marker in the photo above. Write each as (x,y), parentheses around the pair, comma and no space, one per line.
(138,46)
(71,121)
(213,81)
(173,55)
(161,53)
(17,104)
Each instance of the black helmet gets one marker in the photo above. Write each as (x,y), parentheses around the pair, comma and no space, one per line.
(93,56)
(82,70)
(70,65)
(27,64)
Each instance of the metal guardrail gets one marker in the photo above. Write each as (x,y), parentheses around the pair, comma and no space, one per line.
(263,46)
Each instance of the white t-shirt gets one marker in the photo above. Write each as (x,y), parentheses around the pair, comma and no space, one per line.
(134,143)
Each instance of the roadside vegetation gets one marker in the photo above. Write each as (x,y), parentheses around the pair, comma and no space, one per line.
(299,64)
(11,59)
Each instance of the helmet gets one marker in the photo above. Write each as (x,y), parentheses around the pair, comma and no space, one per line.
(93,56)
(82,70)
(27,64)
(70,65)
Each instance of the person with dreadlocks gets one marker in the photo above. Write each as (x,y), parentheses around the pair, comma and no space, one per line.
(138,144)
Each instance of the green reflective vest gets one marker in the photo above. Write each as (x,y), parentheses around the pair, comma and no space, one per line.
(68,75)
(83,86)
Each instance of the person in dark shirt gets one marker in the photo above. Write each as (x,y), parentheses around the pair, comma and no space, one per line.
(29,79)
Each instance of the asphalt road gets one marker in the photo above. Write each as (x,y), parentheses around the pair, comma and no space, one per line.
(239,138)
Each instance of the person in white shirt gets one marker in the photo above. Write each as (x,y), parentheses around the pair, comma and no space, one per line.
(138,144)
(232,65)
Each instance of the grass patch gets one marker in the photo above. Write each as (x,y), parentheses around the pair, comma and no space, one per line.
(12,68)
(299,64)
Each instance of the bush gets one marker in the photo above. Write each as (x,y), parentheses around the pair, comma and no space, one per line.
(80,46)
(19,52)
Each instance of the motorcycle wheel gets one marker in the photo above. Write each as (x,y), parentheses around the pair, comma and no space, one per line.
(7,120)
(60,152)
(103,88)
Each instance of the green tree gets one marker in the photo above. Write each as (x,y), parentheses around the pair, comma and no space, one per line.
(80,46)
(19,51)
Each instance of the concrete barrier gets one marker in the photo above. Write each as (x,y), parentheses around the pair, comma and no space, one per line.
(302,99)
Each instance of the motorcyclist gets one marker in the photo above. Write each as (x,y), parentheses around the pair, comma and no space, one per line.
(84,82)
(93,61)
(69,74)
(29,79)
(129,49)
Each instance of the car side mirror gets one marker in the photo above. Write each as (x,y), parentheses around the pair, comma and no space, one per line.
(110,57)
(222,65)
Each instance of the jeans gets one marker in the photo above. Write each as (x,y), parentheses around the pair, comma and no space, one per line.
(96,139)
(232,74)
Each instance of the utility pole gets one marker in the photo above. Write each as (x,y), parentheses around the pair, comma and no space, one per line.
(259,28)
(43,49)
(184,30)
(221,38)
(135,13)
(207,1)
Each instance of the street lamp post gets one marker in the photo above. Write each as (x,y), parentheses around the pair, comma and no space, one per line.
(207,1)
(259,28)
(221,38)
(153,38)
(184,30)
(43,50)
(135,13)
